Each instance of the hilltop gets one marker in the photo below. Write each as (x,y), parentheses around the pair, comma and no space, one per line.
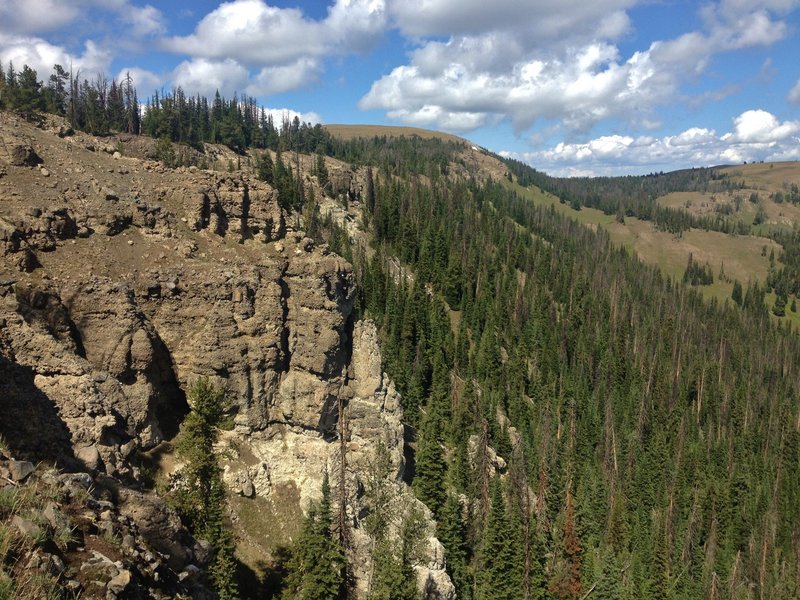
(349,132)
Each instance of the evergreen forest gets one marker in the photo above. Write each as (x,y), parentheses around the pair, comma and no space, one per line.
(651,436)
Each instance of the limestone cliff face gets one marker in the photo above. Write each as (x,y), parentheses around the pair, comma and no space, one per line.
(121,282)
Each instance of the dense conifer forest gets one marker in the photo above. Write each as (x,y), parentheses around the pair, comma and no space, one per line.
(651,436)
(650,439)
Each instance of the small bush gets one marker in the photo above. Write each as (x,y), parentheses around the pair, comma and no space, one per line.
(165,152)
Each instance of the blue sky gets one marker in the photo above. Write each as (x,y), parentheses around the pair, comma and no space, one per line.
(570,86)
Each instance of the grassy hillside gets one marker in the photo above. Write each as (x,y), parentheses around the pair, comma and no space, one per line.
(729,257)
(348,132)
(769,183)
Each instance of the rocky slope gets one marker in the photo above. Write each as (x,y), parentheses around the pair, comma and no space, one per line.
(122,282)
(81,535)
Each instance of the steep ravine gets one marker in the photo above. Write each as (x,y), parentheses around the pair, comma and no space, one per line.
(122,282)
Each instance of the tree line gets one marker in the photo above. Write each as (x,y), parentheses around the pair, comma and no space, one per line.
(98,107)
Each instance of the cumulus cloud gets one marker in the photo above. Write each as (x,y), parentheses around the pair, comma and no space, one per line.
(560,63)
(457,121)
(279,115)
(734,25)
(206,76)
(24,25)
(694,136)
(26,17)
(759,126)
(548,20)
(42,55)
(279,49)
(581,87)
(145,81)
(41,16)
(254,33)
(274,80)
(144,20)
(756,135)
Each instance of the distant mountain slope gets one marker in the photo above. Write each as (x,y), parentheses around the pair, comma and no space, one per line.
(737,222)
(353,131)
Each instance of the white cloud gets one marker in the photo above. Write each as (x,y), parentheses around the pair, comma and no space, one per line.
(543,20)
(254,33)
(555,60)
(693,136)
(206,77)
(42,55)
(279,115)
(24,23)
(144,81)
(452,121)
(274,80)
(39,16)
(759,126)
(145,20)
(733,28)
(794,93)
(279,49)
(581,87)
(756,135)
(26,17)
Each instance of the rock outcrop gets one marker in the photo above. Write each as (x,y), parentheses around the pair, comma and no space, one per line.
(122,282)
(71,531)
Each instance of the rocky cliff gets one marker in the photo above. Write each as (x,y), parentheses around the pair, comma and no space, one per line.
(122,282)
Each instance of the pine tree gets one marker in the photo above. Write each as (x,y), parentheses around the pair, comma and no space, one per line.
(56,92)
(393,575)
(316,570)
(132,116)
(266,168)
(10,90)
(566,584)
(499,575)
(608,586)
(370,191)
(452,534)
(429,477)
(737,292)
(198,492)
(321,171)
(392,578)
(779,308)
(28,96)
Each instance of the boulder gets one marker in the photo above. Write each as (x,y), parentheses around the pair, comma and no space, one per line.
(120,582)
(90,457)
(27,528)
(23,155)
(20,469)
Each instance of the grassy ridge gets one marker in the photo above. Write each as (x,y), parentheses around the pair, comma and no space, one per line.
(349,132)
(738,257)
